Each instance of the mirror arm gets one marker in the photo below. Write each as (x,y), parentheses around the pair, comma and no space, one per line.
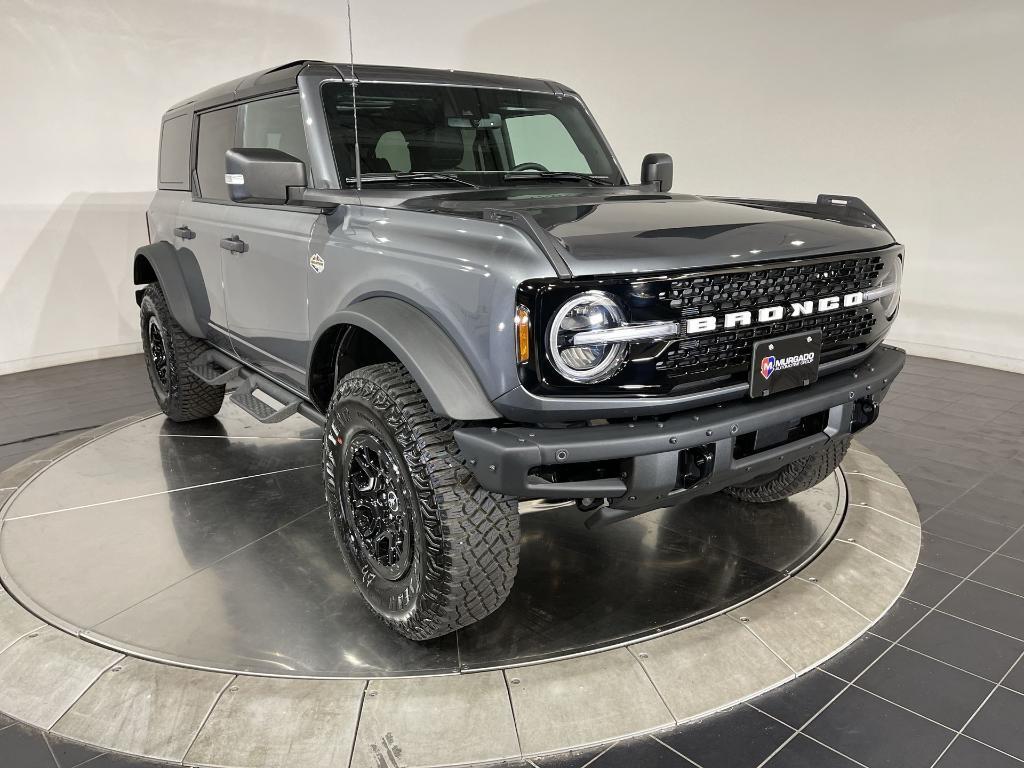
(325,199)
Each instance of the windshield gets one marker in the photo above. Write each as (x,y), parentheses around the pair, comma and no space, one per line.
(446,135)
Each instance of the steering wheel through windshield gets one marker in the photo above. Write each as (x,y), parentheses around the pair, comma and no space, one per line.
(530,167)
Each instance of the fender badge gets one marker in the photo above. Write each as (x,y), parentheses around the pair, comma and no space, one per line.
(316,263)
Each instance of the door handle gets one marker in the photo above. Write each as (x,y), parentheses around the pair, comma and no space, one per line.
(235,244)
(184,233)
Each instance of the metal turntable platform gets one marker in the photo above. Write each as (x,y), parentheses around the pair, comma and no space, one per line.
(207,545)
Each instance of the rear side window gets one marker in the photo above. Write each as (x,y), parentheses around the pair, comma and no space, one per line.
(216,137)
(175,140)
(275,123)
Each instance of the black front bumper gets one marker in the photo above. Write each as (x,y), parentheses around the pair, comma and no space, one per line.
(653,454)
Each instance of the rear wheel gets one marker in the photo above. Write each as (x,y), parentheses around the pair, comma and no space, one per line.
(169,352)
(430,550)
(795,477)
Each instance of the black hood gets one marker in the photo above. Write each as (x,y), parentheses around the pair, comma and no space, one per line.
(629,230)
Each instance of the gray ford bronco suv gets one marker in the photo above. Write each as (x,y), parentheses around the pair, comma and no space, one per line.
(450,272)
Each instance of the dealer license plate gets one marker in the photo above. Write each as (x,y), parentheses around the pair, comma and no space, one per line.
(784,363)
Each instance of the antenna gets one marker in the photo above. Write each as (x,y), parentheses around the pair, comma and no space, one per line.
(355,114)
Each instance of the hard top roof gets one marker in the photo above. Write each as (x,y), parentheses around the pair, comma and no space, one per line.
(284,77)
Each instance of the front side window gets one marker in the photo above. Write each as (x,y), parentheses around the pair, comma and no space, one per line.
(482,136)
(216,137)
(275,123)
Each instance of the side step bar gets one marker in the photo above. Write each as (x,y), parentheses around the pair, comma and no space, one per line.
(216,368)
(245,398)
(210,368)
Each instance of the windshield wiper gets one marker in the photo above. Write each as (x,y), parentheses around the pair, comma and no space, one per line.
(557,175)
(412,176)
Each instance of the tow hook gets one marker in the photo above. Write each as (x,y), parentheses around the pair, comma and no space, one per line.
(589,505)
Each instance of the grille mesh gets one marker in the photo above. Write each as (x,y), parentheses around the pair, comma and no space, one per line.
(729,350)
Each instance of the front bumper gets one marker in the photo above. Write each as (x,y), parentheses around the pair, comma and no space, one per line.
(653,455)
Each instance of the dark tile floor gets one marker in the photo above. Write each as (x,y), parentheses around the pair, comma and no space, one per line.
(937,683)
(40,408)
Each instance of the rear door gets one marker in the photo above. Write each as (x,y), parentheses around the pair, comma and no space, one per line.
(268,259)
(203,217)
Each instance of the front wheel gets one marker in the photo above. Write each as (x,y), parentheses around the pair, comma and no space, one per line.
(429,549)
(793,478)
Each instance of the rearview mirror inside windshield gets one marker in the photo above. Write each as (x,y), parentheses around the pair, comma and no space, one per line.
(491,121)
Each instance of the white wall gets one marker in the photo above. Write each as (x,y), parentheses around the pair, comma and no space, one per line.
(84,85)
(915,106)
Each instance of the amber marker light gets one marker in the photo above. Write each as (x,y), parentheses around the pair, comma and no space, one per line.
(522,334)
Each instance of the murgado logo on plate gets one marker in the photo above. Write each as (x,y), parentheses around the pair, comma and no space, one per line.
(770,364)
(316,263)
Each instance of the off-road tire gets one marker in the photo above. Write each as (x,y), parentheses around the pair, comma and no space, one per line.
(184,396)
(795,477)
(465,539)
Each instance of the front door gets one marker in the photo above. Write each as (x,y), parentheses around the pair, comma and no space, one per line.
(265,289)
(265,254)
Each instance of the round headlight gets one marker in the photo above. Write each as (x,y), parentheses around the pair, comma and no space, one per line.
(892,277)
(593,362)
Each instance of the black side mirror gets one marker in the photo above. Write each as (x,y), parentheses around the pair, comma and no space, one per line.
(267,176)
(657,168)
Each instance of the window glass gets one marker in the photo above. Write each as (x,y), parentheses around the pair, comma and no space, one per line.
(391,153)
(275,124)
(216,137)
(480,135)
(544,139)
(175,139)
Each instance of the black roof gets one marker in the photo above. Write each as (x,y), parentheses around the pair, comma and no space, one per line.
(284,77)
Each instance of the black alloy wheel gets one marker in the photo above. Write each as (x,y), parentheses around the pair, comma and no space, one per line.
(378,505)
(157,355)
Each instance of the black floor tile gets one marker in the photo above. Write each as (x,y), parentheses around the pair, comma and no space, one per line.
(967,753)
(980,505)
(989,607)
(965,645)
(577,758)
(968,529)
(928,585)
(803,752)
(929,494)
(635,752)
(999,722)
(1014,547)
(71,754)
(901,617)
(794,703)
(1015,679)
(855,659)
(738,737)
(950,556)
(930,688)
(1007,484)
(914,451)
(1003,573)
(936,481)
(24,747)
(877,733)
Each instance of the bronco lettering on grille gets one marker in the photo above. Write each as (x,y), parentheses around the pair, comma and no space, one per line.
(709,323)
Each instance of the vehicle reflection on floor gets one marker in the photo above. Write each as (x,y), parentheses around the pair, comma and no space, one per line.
(208,544)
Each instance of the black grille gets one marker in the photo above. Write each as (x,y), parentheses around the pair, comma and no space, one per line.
(728,351)
(705,361)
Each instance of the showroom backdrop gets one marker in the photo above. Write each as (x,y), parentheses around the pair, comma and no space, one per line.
(914,106)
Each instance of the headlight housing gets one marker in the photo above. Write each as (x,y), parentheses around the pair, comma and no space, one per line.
(588,363)
(892,276)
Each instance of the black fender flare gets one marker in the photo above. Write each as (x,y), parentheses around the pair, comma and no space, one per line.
(441,370)
(163,261)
